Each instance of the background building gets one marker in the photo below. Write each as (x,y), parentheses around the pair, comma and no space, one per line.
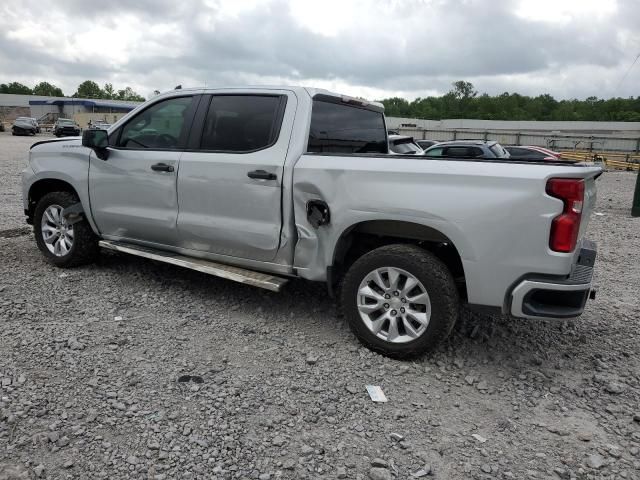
(48,109)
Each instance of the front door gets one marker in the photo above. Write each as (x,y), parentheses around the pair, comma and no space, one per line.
(230,180)
(133,191)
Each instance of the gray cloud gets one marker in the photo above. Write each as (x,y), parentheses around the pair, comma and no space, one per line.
(411,47)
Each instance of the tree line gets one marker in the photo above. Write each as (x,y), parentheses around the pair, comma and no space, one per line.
(463,101)
(87,89)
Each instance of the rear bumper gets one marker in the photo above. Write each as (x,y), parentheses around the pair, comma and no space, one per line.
(537,297)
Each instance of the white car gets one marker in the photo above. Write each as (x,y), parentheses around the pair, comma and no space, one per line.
(404,145)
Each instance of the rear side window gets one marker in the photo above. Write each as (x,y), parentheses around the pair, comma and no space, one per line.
(463,152)
(459,152)
(337,128)
(242,123)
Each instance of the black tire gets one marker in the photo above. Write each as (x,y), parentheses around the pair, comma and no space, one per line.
(85,243)
(434,276)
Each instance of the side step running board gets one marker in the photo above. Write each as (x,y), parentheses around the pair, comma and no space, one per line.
(250,277)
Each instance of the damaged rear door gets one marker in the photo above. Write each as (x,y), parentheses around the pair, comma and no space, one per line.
(230,179)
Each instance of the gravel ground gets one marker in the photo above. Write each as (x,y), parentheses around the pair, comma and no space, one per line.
(90,362)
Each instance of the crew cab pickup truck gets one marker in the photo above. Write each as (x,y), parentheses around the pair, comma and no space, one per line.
(261,185)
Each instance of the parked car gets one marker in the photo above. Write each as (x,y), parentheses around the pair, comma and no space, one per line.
(280,183)
(66,127)
(30,120)
(1,126)
(403,145)
(467,149)
(532,153)
(424,144)
(24,126)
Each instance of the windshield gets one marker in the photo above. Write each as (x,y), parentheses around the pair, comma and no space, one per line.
(65,122)
(408,148)
(498,151)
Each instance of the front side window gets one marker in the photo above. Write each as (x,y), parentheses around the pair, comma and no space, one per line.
(337,128)
(242,123)
(161,126)
(434,152)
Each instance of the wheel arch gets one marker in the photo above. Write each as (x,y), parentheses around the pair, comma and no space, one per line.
(362,237)
(42,186)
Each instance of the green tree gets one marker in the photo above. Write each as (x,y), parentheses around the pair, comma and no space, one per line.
(88,89)
(15,88)
(463,90)
(130,95)
(463,101)
(46,89)
(108,91)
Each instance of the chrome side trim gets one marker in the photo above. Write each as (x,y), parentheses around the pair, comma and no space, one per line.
(249,277)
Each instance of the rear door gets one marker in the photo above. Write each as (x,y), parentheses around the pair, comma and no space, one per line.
(230,179)
(133,192)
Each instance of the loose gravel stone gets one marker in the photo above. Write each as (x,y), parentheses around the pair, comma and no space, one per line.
(380,474)
(379,462)
(595,461)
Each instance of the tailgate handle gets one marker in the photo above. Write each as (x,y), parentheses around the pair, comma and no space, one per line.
(262,175)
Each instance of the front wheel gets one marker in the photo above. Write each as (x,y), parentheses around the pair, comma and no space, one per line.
(63,244)
(400,300)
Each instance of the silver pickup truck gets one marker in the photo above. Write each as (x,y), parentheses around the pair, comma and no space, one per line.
(260,185)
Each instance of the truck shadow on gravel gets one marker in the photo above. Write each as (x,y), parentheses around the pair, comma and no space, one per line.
(307,308)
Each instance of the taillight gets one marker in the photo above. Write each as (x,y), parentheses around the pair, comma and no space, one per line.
(565,227)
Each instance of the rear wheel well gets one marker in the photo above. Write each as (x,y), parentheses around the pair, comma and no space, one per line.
(367,236)
(40,188)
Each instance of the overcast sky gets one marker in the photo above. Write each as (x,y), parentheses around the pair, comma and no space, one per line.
(369,48)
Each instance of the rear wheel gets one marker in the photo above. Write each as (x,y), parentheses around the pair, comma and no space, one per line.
(63,244)
(400,300)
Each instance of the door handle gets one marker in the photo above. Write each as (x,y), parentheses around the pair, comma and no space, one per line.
(162,167)
(262,175)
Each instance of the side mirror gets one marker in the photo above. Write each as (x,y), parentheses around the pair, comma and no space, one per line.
(98,141)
